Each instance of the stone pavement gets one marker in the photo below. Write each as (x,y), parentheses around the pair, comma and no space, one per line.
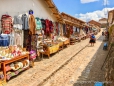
(92,72)
(85,68)
(42,69)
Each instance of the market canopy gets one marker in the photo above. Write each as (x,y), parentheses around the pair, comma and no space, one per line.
(95,23)
(72,20)
(54,10)
(86,25)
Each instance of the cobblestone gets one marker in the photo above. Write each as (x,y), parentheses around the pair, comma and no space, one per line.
(83,70)
(42,69)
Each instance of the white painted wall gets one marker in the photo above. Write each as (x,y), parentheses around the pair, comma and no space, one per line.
(16,7)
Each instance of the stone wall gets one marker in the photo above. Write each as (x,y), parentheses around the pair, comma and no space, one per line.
(109,65)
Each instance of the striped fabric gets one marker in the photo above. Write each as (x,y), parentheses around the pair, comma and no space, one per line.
(6,23)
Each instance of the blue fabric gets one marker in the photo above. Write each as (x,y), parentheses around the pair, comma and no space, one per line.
(93,36)
(38,23)
(105,44)
(98,84)
(4,40)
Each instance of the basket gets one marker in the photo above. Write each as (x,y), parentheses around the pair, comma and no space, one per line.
(66,42)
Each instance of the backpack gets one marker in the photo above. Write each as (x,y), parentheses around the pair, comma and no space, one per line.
(6,23)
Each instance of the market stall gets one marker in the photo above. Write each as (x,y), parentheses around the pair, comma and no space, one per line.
(13,60)
(74,26)
(49,49)
(26,34)
(51,46)
(14,57)
(65,40)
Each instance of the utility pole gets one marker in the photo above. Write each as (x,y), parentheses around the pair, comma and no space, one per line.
(106,12)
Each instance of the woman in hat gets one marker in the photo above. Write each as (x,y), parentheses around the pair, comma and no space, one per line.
(92,39)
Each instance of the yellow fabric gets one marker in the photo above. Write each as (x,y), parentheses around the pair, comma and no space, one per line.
(60,44)
(54,48)
(2,83)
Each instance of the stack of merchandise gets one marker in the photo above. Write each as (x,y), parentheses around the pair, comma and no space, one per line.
(15,68)
(62,39)
(72,39)
(11,52)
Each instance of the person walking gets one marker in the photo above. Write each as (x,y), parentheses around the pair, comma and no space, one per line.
(103,33)
(92,39)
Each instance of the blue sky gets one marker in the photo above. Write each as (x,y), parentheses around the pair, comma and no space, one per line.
(85,9)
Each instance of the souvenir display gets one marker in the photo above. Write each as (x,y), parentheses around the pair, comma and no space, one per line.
(11,52)
(26,37)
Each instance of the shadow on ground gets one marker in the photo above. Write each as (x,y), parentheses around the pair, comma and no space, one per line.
(93,73)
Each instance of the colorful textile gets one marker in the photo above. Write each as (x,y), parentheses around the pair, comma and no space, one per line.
(11,39)
(34,38)
(8,76)
(57,28)
(51,26)
(71,29)
(18,39)
(25,22)
(31,42)
(43,24)
(47,31)
(6,23)
(32,55)
(4,40)
(17,22)
(27,41)
(1,76)
(38,23)
(32,24)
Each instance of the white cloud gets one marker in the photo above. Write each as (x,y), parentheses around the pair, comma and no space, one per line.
(96,15)
(88,1)
(106,2)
